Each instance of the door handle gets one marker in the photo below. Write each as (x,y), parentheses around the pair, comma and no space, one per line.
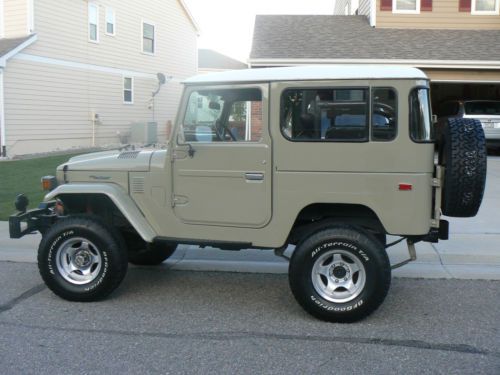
(254,176)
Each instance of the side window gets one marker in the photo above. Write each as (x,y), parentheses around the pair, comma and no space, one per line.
(110,22)
(128,90)
(93,23)
(421,129)
(225,115)
(148,38)
(384,114)
(327,115)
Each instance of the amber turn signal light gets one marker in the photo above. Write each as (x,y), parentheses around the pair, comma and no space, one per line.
(49,183)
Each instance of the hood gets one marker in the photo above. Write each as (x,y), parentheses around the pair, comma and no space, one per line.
(133,161)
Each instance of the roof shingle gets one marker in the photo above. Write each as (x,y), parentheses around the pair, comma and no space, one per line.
(351,37)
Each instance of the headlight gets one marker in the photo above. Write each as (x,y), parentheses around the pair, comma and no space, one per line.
(49,183)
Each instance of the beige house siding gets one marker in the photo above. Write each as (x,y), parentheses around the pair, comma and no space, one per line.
(463,75)
(174,33)
(15,18)
(49,108)
(53,86)
(444,15)
(339,8)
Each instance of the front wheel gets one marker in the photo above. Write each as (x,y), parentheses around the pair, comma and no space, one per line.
(82,259)
(340,274)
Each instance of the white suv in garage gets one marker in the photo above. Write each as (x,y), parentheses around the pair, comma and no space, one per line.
(486,111)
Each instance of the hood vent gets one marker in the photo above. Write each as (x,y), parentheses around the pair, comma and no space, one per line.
(129,155)
(137,185)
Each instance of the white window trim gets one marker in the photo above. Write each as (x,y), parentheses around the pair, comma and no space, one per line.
(30,24)
(131,90)
(402,11)
(88,23)
(142,37)
(346,9)
(106,21)
(475,12)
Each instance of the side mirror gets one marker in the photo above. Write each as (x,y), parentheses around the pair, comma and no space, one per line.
(434,119)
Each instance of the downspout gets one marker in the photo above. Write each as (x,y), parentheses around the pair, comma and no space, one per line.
(3,147)
(373,13)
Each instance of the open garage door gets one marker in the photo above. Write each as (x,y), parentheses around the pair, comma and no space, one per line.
(447,84)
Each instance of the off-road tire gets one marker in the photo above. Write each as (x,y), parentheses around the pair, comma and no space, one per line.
(463,154)
(108,244)
(356,243)
(152,255)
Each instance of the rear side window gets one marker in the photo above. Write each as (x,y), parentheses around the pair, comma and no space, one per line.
(325,115)
(384,114)
(482,108)
(421,129)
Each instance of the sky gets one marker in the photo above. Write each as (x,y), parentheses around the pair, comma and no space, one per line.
(227,25)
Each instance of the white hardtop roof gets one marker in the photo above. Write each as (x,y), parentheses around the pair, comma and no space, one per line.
(306,73)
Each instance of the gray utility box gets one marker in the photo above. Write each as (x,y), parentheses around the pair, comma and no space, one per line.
(144,132)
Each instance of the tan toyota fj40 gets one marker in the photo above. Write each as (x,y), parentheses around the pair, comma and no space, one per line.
(329,159)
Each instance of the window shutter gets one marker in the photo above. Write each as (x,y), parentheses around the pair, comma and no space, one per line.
(464,5)
(385,4)
(426,5)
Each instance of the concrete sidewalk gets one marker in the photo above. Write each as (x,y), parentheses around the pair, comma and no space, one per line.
(464,256)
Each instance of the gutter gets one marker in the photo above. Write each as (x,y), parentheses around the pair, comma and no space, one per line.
(442,64)
(15,51)
(3,147)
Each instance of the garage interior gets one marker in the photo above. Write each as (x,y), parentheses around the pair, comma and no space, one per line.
(443,91)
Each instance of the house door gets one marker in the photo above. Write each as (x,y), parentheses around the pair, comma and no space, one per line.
(222,158)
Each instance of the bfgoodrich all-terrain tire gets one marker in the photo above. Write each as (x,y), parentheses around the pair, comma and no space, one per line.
(463,154)
(340,274)
(81,259)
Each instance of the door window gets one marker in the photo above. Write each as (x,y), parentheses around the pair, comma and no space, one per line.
(223,115)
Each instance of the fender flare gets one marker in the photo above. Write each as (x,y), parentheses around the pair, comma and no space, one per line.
(118,196)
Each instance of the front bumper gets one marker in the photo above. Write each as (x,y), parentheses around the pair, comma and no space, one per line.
(38,219)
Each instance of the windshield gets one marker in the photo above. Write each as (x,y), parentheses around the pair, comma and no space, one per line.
(482,108)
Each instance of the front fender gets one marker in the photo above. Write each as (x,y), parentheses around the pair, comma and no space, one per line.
(118,196)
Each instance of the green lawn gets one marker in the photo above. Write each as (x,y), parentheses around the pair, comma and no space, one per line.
(23,176)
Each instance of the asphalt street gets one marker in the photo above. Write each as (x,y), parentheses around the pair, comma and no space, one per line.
(162,321)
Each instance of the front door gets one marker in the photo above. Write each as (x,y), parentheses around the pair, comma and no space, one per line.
(222,159)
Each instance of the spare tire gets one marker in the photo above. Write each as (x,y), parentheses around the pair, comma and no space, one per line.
(462,152)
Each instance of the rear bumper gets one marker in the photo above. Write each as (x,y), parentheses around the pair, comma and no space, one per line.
(38,219)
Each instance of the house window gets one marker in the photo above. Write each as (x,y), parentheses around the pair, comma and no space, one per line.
(93,23)
(406,6)
(148,38)
(325,115)
(110,21)
(128,90)
(485,7)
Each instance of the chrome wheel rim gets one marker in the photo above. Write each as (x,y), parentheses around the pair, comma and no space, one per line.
(338,276)
(78,261)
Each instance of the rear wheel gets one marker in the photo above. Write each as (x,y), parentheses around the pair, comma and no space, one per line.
(340,274)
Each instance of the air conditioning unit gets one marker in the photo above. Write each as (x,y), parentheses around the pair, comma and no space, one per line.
(144,133)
